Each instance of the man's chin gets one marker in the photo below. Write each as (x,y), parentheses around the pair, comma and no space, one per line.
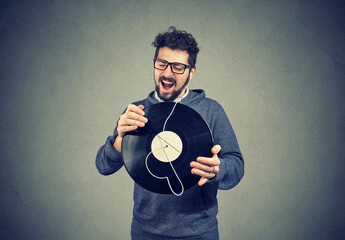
(167,97)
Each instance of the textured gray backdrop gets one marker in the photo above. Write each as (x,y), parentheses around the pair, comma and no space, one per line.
(69,68)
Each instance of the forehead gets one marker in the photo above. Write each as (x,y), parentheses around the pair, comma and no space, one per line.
(170,55)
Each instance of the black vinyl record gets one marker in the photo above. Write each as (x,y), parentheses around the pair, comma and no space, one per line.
(152,156)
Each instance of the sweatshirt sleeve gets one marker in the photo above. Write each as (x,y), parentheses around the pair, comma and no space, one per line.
(108,159)
(231,168)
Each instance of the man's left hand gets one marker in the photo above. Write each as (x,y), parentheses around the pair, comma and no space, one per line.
(205,167)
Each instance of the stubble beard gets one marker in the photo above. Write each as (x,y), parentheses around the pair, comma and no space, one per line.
(175,93)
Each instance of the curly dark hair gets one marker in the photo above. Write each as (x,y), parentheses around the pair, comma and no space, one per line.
(177,39)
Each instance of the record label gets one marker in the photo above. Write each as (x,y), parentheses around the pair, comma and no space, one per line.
(158,155)
(166,146)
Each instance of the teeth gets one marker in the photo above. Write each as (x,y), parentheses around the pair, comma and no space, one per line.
(167,82)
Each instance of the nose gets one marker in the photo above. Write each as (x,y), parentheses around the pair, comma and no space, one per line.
(168,72)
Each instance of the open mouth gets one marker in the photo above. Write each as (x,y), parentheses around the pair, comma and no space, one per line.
(167,84)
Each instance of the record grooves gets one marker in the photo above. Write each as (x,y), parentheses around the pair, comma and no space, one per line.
(148,151)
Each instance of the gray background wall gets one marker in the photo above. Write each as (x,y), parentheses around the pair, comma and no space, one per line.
(69,68)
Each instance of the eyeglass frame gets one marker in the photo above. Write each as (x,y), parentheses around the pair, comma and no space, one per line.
(171,63)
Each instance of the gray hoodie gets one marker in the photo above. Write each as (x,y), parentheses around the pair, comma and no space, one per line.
(193,214)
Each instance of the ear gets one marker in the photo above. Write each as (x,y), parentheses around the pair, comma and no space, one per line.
(192,72)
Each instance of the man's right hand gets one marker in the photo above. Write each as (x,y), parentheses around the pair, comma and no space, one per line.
(129,121)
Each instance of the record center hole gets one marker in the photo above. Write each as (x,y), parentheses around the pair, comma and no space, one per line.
(166,146)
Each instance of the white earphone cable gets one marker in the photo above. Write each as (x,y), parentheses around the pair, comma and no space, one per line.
(171,165)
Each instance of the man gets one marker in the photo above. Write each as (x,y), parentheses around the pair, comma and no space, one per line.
(193,214)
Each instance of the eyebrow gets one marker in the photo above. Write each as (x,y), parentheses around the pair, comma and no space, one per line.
(172,62)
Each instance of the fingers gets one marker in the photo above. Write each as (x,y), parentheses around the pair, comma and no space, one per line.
(216,149)
(206,174)
(136,109)
(131,119)
(206,167)
(202,181)
(203,170)
(123,129)
(213,161)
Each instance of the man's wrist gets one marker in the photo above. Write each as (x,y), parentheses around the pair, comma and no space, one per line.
(117,143)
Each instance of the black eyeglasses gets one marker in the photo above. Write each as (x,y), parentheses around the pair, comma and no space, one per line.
(176,67)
